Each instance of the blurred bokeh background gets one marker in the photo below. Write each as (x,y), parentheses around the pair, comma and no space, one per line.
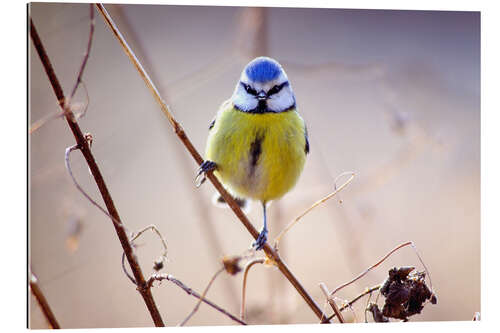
(393,96)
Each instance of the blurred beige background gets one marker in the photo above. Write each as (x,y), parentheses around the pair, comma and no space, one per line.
(390,95)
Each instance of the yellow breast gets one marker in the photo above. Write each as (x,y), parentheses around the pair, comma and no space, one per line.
(258,156)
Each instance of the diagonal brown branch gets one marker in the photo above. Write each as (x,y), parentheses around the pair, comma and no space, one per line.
(42,301)
(197,157)
(106,196)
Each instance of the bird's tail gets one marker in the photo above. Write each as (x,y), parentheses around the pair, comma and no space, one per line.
(219,201)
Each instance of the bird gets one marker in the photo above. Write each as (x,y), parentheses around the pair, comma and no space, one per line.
(257,142)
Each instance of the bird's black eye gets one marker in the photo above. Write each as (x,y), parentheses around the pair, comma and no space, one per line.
(276,89)
(249,89)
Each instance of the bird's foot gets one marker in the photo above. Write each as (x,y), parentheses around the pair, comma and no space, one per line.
(261,240)
(205,167)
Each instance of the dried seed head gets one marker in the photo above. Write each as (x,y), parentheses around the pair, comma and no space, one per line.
(231,264)
(405,293)
(158,264)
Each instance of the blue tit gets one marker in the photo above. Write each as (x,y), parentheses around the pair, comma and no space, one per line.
(257,143)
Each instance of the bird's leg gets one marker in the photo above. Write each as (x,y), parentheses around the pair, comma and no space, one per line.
(261,240)
(205,167)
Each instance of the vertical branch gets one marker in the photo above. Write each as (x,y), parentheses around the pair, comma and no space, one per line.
(331,301)
(270,252)
(96,173)
(42,301)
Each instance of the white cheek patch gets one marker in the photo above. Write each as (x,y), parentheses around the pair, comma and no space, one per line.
(245,104)
(242,100)
(281,101)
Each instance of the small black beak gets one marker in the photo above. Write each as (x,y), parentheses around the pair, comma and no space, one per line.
(261,95)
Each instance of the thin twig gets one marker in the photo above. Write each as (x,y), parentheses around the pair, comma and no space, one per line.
(96,173)
(134,237)
(271,253)
(39,123)
(77,185)
(197,306)
(368,291)
(87,53)
(56,114)
(367,306)
(244,287)
(42,301)
(370,268)
(189,291)
(45,119)
(314,205)
(427,272)
(331,301)
(163,242)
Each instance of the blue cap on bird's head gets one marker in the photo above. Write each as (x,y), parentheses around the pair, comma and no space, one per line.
(263,69)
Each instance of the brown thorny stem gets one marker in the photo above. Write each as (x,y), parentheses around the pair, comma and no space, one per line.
(106,196)
(270,252)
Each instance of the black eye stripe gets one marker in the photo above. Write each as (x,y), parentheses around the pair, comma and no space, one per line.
(274,90)
(277,89)
(249,89)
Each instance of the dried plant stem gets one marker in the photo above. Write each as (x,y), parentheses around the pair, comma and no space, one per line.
(244,287)
(96,173)
(85,194)
(87,53)
(370,268)
(314,205)
(42,301)
(189,291)
(331,301)
(42,121)
(197,306)
(368,291)
(153,228)
(197,157)
(39,123)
